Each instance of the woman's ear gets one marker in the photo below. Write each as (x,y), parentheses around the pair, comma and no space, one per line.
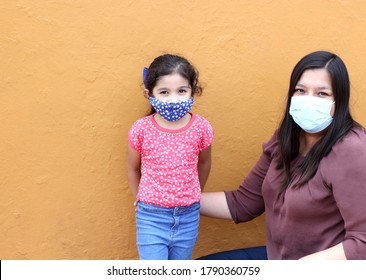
(146,93)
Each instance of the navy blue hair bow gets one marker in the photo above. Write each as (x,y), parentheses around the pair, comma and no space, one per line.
(144,75)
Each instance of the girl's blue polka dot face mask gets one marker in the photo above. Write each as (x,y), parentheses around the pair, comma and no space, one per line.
(172,111)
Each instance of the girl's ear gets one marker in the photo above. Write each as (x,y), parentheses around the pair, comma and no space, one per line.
(146,93)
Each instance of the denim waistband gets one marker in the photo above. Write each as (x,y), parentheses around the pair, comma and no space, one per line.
(172,210)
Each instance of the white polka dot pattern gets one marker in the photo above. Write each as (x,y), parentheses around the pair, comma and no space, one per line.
(169,160)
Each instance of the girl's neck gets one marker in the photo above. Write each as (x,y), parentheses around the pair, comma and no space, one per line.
(172,125)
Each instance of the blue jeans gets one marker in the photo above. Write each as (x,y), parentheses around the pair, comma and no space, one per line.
(166,233)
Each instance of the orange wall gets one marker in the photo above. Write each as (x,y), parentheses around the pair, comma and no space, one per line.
(71,87)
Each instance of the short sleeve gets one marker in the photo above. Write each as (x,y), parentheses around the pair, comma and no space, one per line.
(206,134)
(135,135)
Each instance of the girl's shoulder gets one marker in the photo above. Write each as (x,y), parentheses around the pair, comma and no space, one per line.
(201,120)
(139,126)
(142,121)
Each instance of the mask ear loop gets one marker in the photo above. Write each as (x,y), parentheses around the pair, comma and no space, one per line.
(144,75)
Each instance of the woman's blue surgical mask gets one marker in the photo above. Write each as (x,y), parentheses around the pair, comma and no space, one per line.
(311,113)
(172,111)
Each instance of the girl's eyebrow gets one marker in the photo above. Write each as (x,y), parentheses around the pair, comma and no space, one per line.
(168,88)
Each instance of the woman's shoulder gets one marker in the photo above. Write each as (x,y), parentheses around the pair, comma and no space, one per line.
(271,146)
(357,133)
(354,139)
(352,145)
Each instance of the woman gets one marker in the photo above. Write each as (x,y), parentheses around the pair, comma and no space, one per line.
(311,177)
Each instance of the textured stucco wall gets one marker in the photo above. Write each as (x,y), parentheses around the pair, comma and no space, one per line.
(70,87)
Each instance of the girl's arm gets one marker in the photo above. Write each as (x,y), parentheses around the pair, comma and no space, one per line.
(333,253)
(214,205)
(204,166)
(133,167)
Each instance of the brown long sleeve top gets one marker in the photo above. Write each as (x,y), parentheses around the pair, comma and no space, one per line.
(329,209)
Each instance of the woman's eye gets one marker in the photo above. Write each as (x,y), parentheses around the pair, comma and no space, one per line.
(299,90)
(323,94)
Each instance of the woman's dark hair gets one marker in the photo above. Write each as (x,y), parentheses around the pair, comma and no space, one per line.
(289,131)
(168,64)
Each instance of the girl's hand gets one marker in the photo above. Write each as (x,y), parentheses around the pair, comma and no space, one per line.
(135,204)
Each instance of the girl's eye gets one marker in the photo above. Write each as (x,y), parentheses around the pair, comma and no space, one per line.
(323,94)
(164,92)
(182,91)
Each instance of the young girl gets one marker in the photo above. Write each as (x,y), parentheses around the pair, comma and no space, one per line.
(168,161)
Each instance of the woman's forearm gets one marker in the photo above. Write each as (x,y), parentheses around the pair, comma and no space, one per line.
(333,253)
(214,205)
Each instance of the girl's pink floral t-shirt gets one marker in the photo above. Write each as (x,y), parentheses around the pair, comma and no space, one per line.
(169,159)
